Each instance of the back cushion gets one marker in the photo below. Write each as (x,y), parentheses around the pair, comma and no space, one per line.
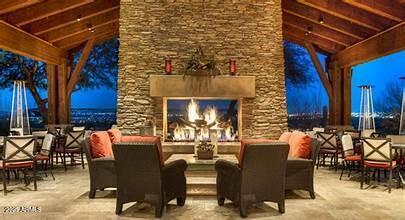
(147,139)
(285,137)
(101,145)
(300,145)
(245,142)
(115,135)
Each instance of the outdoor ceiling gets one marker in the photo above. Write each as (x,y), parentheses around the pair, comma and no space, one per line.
(330,25)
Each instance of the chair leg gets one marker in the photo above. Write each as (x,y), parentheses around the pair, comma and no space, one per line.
(350,168)
(319,160)
(389,181)
(181,201)
(243,208)
(281,207)
(159,209)
(3,172)
(35,176)
(50,168)
(81,155)
(362,177)
(92,193)
(343,168)
(336,162)
(118,208)
(64,161)
(221,201)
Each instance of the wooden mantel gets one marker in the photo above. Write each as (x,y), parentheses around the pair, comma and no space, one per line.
(202,86)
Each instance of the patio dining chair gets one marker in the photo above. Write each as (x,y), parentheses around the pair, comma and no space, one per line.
(71,148)
(329,147)
(348,154)
(44,154)
(377,154)
(18,154)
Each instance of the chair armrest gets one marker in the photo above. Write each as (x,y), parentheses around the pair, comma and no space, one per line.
(177,166)
(105,162)
(226,166)
(300,163)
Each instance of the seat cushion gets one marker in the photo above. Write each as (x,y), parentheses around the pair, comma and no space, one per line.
(285,137)
(146,139)
(17,165)
(244,142)
(41,157)
(381,165)
(353,158)
(115,135)
(300,145)
(101,145)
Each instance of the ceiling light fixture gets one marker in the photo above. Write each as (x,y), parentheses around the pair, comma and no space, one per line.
(320,20)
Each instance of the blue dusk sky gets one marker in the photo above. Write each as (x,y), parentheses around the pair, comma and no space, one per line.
(378,73)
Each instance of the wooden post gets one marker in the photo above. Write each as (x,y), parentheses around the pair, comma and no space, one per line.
(62,108)
(347,96)
(52,93)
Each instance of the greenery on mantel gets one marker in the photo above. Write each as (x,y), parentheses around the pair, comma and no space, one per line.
(201,65)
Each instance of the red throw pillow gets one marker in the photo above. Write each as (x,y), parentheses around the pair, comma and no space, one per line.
(300,145)
(244,142)
(115,135)
(101,145)
(285,137)
(146,139)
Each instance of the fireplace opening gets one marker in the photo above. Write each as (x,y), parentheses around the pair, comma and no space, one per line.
(202,119)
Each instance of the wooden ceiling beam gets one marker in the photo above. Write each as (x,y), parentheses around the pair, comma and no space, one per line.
(42,10)
(392,10)
(319,29)
(82,26)
(329,46)
(342,10)
(382,44)
(302,43)
(57,21)
(75,40)
(20,42)
(329,21)
(7,6)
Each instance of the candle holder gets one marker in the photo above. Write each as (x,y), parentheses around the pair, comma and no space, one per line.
(168,66)
(232,67)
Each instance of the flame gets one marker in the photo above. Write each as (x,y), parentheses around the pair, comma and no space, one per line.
(192,111)
(210,115)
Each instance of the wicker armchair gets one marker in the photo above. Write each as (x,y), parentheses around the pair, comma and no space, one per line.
(260,176)
(142,177)
(300,172)
(102,171)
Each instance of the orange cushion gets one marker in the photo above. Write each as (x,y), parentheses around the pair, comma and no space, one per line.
(115,135)
(16,165)
(147,139)
(353,158)
(381,165)
(285,137)
(101,145)
(244,142)
(300,145)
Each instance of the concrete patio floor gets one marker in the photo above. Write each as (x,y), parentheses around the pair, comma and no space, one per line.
(67,198)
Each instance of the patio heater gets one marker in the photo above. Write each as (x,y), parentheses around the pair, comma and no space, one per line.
(366,120)
(19,118)
(402,119)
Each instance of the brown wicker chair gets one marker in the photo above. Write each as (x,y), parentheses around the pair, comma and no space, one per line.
(142,177)
(300,172)
(102,171)
(260,177)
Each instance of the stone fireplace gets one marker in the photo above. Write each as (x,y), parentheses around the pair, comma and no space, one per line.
(248,31)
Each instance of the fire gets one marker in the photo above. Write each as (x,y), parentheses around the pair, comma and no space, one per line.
(209,131)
